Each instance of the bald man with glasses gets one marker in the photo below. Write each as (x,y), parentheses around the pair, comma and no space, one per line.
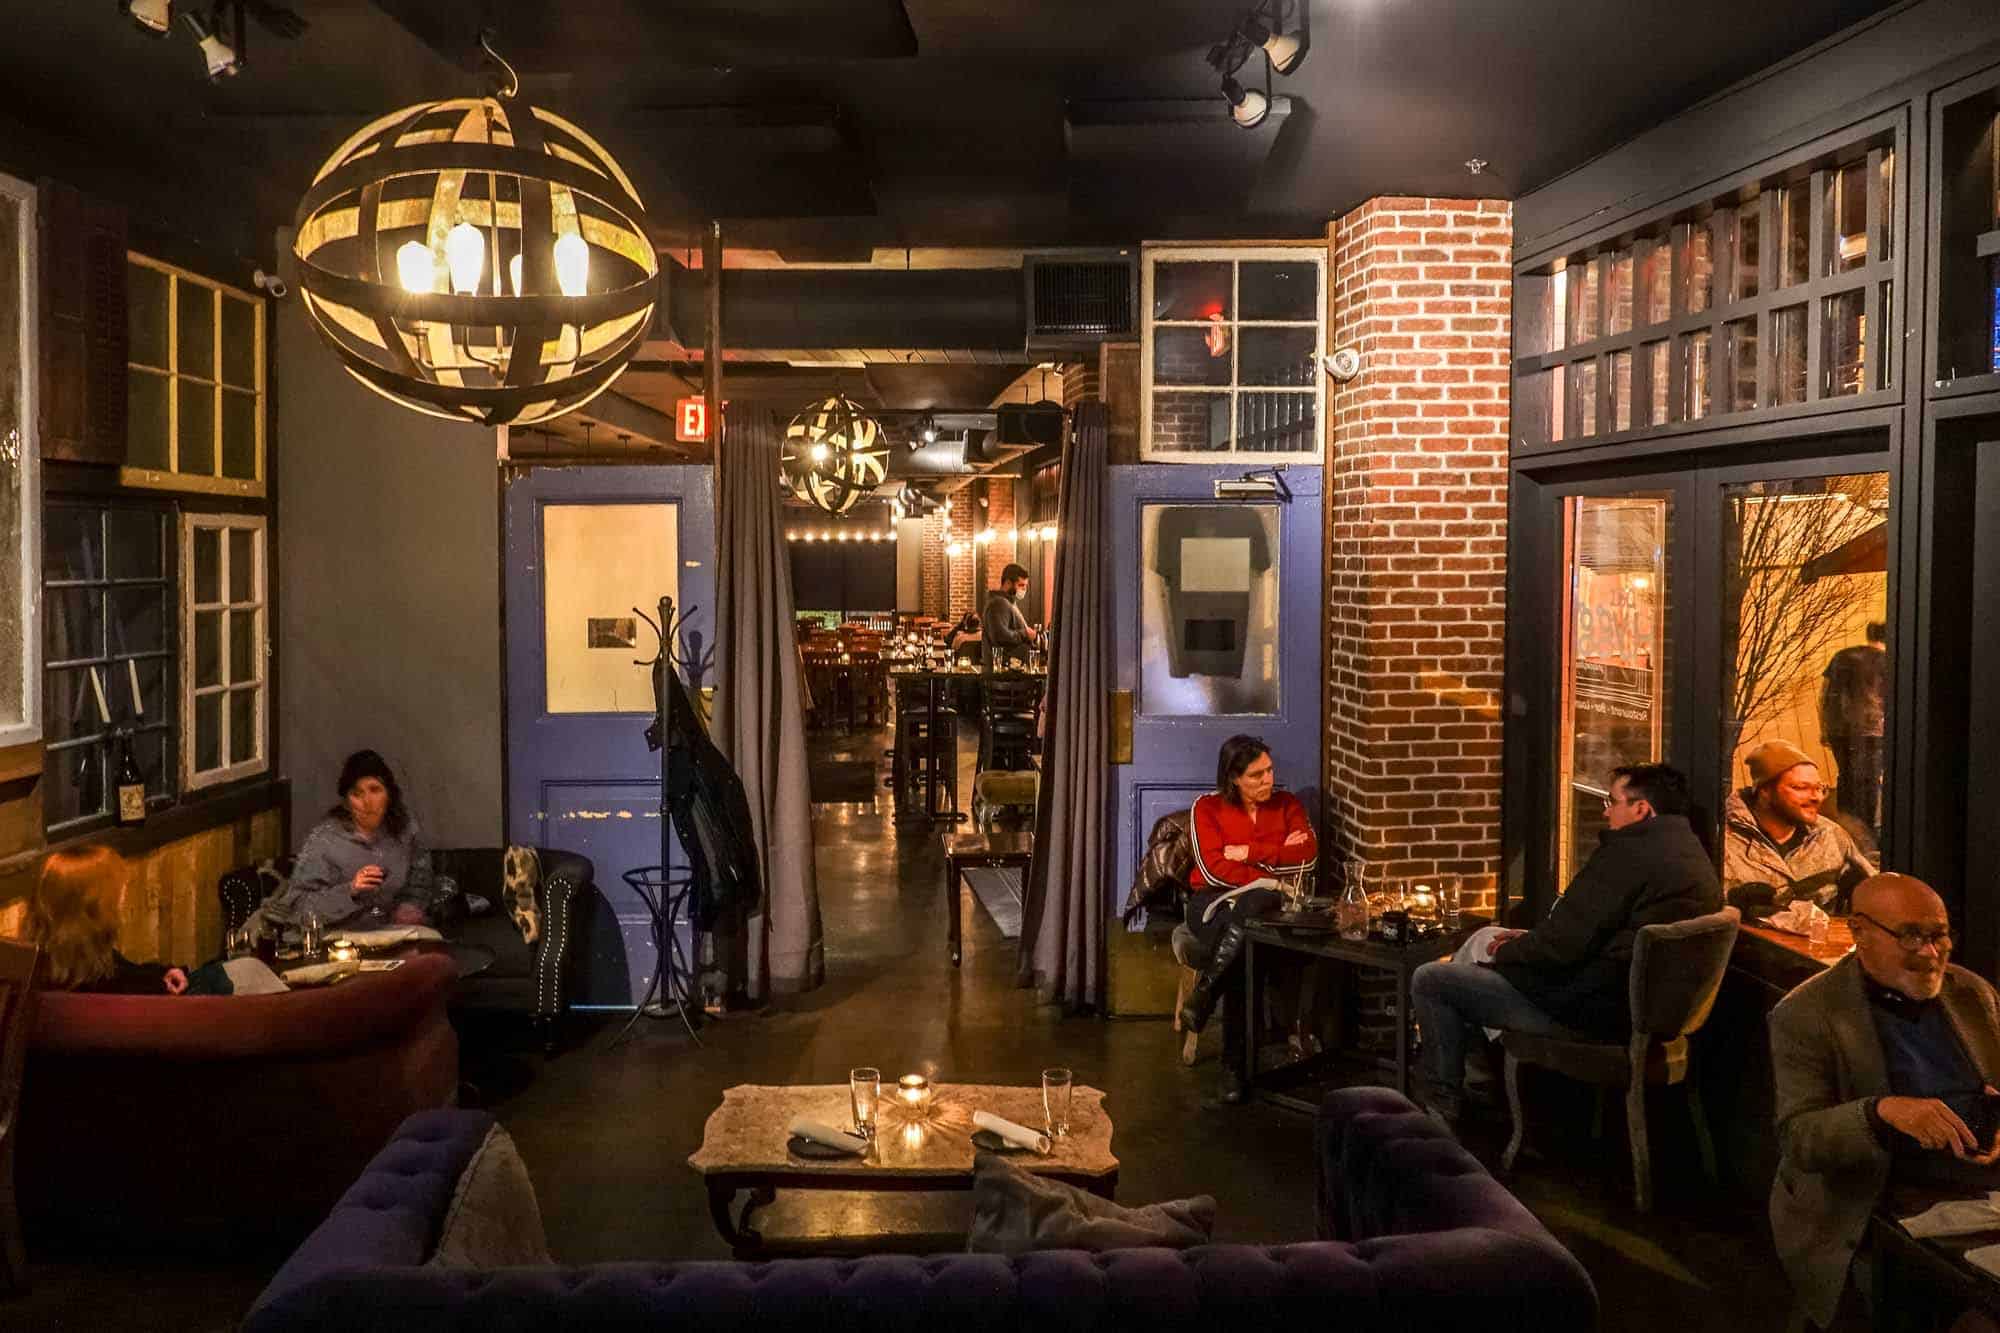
(1886,1067)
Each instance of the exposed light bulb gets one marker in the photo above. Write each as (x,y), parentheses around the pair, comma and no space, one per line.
(843,534)
(572,264)
(947,506)
(892,534)
(465,256)
(1049,533)
(1013,535)
(514,274)
(416,267)
(819,453)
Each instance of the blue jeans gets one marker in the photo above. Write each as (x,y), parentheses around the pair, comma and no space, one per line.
(1454,1000)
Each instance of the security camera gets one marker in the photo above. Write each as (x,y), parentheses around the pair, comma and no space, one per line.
(271,283)
(1343,364)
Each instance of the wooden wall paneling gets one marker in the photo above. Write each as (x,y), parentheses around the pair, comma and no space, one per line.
(83,336)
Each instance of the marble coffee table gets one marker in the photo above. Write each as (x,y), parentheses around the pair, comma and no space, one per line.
(743,1146)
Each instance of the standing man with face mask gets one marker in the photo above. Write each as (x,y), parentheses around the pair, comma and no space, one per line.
(1006,630)
(1885,1066)
(1775,846)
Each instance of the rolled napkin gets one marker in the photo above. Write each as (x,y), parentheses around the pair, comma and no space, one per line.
(249,976)
(1018,1135)
(376,939)
(1957,1217)
(314,973)
(814,1132)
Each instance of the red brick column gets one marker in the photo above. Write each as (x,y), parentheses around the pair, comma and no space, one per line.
(947,585)
(999,517)
(1416,536)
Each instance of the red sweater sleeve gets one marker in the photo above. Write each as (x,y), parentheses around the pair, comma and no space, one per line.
(1211,835)
(1296,820)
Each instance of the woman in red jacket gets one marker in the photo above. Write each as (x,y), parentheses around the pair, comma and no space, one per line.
(1246,835)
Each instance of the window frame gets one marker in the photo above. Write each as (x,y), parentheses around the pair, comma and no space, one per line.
(1547,361)
(193,779)
(1235,256)
(163,720)
(171,478)
(29,728)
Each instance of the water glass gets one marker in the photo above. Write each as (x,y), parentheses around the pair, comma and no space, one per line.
(864,1094)
(309,933)
(1056,1088)
(1451,901)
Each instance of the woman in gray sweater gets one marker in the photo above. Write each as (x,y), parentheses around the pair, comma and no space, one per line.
(364,863)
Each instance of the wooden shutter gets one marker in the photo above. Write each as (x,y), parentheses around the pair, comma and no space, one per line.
(83,327)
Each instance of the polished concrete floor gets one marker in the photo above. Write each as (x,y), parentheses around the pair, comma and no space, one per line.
(606,1127)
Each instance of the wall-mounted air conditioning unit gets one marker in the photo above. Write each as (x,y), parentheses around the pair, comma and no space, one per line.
(1080,298)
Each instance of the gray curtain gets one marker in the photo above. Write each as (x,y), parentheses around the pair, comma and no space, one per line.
(759,723)
(1067,906)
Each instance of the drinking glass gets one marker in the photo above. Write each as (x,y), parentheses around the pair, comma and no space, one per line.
(864,1093)
(1451,900)
(1056,1087)
(309,932)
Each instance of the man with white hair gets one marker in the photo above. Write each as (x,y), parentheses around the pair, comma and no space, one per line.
(1886,1066)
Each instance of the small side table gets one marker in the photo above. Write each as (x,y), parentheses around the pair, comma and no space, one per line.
(964,851)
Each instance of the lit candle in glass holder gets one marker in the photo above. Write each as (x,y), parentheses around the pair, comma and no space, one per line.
(342,951)
(914,1091)
(1423,902)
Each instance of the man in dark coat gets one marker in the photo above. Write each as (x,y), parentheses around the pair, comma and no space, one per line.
(1570,975)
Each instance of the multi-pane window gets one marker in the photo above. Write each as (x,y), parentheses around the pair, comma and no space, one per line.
(1231,354)
(194,384)
(224,701)
(20,550)
(108,654)
(1772,296)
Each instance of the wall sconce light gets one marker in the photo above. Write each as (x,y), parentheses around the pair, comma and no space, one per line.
(221,59)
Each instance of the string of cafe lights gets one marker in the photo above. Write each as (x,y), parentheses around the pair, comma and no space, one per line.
(1044,535)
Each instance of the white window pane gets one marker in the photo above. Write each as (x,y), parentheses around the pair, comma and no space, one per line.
(242,726)
(208,732)
(242,646)
(207,648)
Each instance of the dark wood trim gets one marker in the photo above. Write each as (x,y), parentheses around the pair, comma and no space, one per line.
(217,807)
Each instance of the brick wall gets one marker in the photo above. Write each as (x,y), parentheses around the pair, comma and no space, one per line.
(948,586)
(1416,536)
(999,516)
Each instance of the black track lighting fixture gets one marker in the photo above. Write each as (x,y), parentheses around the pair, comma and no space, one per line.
(1261,29)
(155,18)
(1264,27)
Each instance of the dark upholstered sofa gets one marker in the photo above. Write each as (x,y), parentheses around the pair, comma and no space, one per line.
(222,1122)
(1420,1237)
(534,981)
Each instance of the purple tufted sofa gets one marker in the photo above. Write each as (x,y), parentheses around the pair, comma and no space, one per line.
(1416,1236)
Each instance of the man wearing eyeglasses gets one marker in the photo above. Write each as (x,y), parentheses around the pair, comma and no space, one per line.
(1886,1066)
(1775,846)
(1572,973)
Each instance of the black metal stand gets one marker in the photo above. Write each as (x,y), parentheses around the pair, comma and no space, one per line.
(665,893)
(664,890)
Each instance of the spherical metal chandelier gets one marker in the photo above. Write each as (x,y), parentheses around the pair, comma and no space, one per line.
(478,259)
(834,455)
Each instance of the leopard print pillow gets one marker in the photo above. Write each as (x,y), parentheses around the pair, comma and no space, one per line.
(520,878)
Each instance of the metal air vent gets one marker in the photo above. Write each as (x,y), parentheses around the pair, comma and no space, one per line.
(1077,300)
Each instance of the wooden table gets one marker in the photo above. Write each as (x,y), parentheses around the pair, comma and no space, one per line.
(743,1146)
(964,851)
(1399,960)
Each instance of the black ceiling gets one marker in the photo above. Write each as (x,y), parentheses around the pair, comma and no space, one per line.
(820,128)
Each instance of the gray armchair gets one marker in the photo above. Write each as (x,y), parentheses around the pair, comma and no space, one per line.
(1676,972)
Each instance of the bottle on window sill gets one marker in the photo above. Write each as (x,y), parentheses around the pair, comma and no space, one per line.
(131,784)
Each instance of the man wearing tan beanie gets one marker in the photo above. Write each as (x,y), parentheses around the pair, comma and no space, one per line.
(1775,846)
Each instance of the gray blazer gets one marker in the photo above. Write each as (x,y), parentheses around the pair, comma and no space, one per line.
(1831,1169)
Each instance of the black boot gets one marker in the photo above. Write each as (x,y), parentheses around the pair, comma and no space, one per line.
(1201,996)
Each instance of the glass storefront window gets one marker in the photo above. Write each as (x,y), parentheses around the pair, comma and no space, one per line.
(1749,225)
(1788,330)
(1209,618)
(1613,678)
(1804,633)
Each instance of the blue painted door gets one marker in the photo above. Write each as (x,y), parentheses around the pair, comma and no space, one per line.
(585,546)
(1219,631)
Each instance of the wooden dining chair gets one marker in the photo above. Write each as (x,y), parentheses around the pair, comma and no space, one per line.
(17,1017)
(1676,974)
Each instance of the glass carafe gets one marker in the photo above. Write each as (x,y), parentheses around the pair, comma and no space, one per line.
(1350,914)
